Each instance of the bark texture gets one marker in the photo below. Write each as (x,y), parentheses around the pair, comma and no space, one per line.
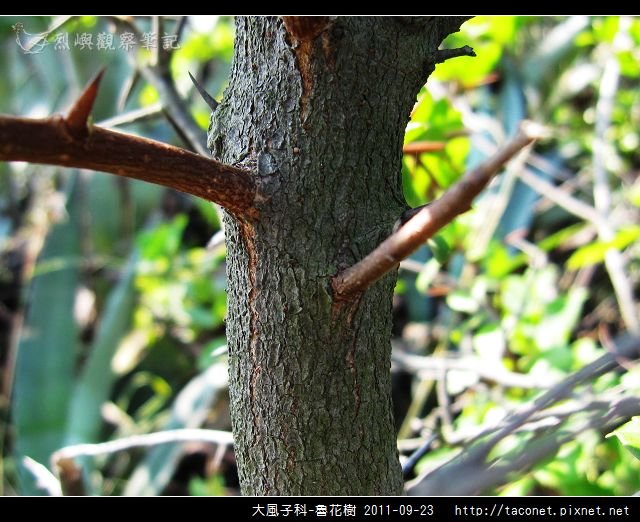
(319,117)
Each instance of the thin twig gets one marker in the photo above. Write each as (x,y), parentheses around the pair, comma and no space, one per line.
(427,222)
(133,116)
(181,23)
(487,370)
(175,109)
(545,418)
(559,197)
(140,441)
(420,147)
(415,457)
(546,189)
(441,55)
(443,402)
(70,474)
(45,480)
(465,476)
(174,106)
(613,260)
(159,53)
(628,348)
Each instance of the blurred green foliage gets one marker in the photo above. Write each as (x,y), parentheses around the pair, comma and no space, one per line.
(525,284)
(138,302)
(113,308)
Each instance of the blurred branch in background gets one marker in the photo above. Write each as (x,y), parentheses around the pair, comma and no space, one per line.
(70,474)
(601,190)
(158,74)
(471,472)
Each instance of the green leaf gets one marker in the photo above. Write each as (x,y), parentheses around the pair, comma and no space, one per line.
(629,436)
(561,236)
(190,409)
(462,301)
(499,262)
(93,387)
(164,240)
(44,374)
(439,248)
(211,487)
(594,253)
(560,318)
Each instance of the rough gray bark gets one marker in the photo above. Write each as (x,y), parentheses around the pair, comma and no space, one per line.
(319,113)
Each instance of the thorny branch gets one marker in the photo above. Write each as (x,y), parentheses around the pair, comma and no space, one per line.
(71,141)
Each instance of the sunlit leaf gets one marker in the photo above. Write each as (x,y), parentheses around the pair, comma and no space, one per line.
(461,301)
(629,435)
(439,248)
(490,343)
(595,252)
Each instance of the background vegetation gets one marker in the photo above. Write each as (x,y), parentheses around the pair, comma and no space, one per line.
(112,292)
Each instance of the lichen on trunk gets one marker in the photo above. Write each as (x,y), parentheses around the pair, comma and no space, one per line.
(321,122)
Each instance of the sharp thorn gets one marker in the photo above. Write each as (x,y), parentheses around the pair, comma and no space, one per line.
(77,117)
(208,99)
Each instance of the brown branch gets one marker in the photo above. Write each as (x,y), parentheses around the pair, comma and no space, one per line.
(71,480)
(49,141)
(442,55)
(428,221)
(418,147)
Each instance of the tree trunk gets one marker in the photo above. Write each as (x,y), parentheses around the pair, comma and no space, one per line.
(318,111)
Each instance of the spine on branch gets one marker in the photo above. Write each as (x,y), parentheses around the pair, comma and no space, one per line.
(71,141)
